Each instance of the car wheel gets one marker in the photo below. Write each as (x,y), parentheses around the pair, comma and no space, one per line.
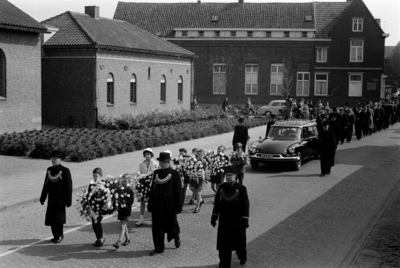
(254,164)
(299,162)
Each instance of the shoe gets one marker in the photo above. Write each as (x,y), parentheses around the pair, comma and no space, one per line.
(196,210)
(53,240)
(243,261)
(322,175)
(127,241)
(191,202)
(201,203)
(139,223)
(155,252)
(59,239)
(116,245)
(177,242)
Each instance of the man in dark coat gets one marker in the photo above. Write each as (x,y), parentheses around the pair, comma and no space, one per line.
(327,149)
(350,124)
(358,124)
(165,202)
(58,187)
(241,134)
(334,123)
(231,208)
(343,125)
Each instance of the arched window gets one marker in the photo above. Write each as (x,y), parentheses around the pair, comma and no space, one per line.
(133,89)
(3,92)
(180,89)
(110,89)
(163,83)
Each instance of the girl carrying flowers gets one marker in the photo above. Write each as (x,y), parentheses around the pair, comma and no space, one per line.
(96,218)
(238,159)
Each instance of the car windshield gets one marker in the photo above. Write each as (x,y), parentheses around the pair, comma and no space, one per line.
(285,133)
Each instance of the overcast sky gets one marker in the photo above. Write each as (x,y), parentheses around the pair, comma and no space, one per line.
(387,10)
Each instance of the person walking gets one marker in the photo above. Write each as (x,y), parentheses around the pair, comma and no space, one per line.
(96,219)
(343,125)
(327,149)
(198,183)
(218,177)
(359,115)
(58,188)
(238,161)
(165,202)
(231,210)
(241,134)
(350,124)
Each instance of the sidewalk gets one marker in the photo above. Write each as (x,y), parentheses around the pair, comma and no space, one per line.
(21,179)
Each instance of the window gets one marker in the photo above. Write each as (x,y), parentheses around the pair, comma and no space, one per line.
(286,34)
(356,50)
(251,79)
(219,79)
(268,34)
(110,89)
(133,89)
(355,85)
(163,97)
(3,92)
(180,89)
(322,54)
(303,84)
(321,85)
(216,33)
(303,34)
(233,33)
(184,33)
(249,34)
(357,25)
(276,79)
(201,33)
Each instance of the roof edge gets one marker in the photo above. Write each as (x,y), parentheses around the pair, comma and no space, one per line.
(81,27)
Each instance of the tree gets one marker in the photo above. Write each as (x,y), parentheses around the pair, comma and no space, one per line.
(395,59)
(288,75)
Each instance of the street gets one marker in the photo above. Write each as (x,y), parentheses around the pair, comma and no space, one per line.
(297,219)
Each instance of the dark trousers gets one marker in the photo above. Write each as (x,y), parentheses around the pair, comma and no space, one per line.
(343,135)
(57,230)
(358,132)
(184,189)
(225,256)
(240,177)
(97,228)
(327,161)
(349,132)
(158,239)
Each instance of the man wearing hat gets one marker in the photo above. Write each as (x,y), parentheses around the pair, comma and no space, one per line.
(146,169)
(327,149)
(360,116)
(165,202)
(241,134)
(343,125)
(231,209)
(58,187)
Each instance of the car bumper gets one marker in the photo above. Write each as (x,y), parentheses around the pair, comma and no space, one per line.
(260,157)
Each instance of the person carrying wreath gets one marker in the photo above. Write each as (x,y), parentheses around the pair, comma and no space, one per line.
(218,178)
(165,202)
(198,184)
(58,188)
(96,219)
(231,209)
(146,168)
(238,162)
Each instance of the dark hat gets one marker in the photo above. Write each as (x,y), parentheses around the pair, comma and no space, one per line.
(164,156)
(56,154)
(230,170)
(241,119)
(346,104)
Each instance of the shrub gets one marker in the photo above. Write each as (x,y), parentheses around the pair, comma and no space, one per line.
(42,149)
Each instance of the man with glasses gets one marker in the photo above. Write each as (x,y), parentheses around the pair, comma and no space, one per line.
(58,187)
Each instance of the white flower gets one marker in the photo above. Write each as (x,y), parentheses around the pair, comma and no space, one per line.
(122,195)
(128,195)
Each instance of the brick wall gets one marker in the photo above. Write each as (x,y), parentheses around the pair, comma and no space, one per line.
(21,110)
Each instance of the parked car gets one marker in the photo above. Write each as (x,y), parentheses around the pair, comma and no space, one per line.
(272,108)
(293,141)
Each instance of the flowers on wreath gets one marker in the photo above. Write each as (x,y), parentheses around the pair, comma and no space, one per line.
(193,168)
(142,186)
(123,194)
(217,163)
(238,158)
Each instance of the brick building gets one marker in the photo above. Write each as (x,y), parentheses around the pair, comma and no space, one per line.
(335,49)
(94,67)
(20,70)
(392,80)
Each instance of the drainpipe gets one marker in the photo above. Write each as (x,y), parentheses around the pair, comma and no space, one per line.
(192,81)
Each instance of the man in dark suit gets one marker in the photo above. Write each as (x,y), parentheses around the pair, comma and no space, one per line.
(231,208)
(359,122)
(165,202)
(241,134)
(343,125)
(327,149)
(58,187)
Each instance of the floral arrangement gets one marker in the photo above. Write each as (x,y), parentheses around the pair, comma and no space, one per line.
(238,158)
(193,168)
(217,163)
(123,194)
(142,187)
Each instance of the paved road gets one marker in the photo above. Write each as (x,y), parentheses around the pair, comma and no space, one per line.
(297,219)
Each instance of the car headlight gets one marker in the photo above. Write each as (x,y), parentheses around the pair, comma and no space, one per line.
(291,150)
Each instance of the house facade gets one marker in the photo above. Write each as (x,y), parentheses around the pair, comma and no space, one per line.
(20,70)
(97,68)
(392,80)
(265,51)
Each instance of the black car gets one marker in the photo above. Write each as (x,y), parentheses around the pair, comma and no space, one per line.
(288,141)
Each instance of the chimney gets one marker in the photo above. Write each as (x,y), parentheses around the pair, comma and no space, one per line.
(93,11)
(241,1)
(378,21)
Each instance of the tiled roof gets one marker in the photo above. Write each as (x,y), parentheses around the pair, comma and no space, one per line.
(164,17)
(76,29)
(12,16)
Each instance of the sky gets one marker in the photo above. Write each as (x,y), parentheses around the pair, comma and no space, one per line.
(386,10)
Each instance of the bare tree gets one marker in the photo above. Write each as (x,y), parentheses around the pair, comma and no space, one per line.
(221,58)
(288,75)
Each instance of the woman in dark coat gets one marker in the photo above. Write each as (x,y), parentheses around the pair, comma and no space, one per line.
(327,149)
(58,187)
(231,207)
